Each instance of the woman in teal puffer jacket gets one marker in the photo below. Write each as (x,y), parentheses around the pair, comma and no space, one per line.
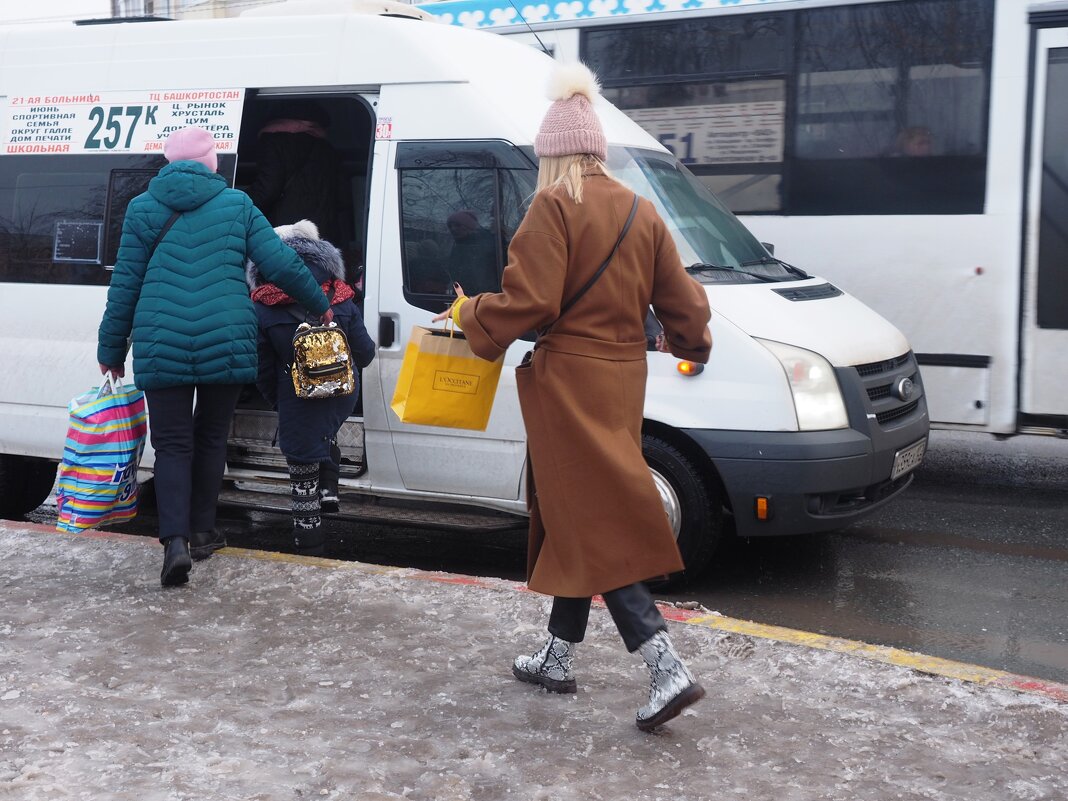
(181,300)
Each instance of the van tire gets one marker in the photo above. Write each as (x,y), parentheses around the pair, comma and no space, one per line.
(699,507)
(25,483)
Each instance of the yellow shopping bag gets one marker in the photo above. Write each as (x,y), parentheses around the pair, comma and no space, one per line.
(442,383)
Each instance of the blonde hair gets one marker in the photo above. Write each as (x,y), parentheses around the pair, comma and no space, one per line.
(567,171)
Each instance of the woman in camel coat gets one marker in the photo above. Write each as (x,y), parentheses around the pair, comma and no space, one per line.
(597,525)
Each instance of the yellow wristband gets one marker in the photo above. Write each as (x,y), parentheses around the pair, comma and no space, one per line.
(460,301)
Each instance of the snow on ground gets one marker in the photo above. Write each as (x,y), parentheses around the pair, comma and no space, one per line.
(267,679)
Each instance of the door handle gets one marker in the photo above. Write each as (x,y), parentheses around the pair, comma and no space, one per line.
(387,332)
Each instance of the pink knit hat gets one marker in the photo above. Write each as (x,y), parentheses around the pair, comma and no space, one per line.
(192,144)
(571,126)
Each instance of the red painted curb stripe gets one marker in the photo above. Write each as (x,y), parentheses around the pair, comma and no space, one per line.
(1025,684)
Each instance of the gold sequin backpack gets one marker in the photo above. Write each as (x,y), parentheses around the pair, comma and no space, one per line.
(322,362)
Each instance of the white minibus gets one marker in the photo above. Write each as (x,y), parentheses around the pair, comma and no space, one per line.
(810,414)
(910,151)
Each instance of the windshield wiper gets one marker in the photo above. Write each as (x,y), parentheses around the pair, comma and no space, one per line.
(772,260)
(700,267)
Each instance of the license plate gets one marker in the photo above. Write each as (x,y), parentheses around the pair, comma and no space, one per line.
(908,459)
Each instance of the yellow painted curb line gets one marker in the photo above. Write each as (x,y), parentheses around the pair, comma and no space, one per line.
(947,668)
(312,561)
(933,665)
(877,653)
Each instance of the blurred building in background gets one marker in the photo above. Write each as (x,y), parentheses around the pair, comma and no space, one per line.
(205,9)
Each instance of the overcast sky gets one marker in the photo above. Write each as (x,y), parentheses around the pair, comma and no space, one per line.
(24,11)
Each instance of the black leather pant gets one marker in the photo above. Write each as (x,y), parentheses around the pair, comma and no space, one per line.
(631,607)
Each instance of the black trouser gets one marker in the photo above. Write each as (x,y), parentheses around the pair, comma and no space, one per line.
(631,607)
(190,445)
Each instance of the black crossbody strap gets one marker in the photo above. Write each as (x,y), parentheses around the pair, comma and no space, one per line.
(162,233)
(600,270)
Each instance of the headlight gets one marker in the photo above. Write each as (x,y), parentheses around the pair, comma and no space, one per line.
(817,396)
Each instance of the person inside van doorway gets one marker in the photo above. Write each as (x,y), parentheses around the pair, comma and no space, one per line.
(299,175)
(178,294)
(597,525)
(307,427)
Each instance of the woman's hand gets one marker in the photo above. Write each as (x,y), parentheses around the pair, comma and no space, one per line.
(116,372)
(327,318)
(661,344)
(459,295)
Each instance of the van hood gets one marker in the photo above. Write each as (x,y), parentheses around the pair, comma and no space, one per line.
(841,328)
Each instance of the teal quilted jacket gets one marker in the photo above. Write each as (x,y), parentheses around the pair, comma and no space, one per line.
(187,310)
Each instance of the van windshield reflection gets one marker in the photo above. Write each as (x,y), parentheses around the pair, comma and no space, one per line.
(705,232)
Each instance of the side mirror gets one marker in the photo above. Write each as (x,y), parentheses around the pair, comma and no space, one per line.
(769,247)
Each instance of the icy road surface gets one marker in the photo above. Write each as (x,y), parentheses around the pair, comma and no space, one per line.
(268,679)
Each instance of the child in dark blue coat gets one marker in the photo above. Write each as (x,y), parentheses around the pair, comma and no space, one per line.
(307,427)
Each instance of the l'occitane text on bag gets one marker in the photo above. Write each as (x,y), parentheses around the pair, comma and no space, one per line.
(98,474)
(443,383)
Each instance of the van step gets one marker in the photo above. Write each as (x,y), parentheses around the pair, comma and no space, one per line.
(366,509)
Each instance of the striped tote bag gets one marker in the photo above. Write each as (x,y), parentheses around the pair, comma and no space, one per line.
(98,475)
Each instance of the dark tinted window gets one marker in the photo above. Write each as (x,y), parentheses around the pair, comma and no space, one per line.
(1051,297)
(456,225)
(696,47)
(61,215)
(891,108)
(728,129)
(864,109)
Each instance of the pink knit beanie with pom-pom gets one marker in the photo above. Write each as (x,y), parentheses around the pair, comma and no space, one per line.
(571,126)
(192,144)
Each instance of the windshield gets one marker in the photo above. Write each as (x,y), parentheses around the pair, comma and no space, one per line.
(707,235)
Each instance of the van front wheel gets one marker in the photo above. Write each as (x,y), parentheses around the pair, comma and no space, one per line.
(25,482)
(692,506)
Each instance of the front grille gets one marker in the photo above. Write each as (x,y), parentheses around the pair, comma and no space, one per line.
(896,414)
(887,366)
(879,380)
(875,393)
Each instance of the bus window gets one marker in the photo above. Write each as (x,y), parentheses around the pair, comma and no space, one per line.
(50,207)
(866,108)
(891,108)
(692,86)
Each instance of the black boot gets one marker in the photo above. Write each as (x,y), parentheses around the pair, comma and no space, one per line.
(204,543)
(176,562)
(328,479)
(309,541)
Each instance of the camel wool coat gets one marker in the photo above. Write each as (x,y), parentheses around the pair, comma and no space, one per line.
(596,519)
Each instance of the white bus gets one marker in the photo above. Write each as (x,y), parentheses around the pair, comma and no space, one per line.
(914,152)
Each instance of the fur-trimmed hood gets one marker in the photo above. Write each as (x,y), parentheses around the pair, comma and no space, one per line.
(323,259)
